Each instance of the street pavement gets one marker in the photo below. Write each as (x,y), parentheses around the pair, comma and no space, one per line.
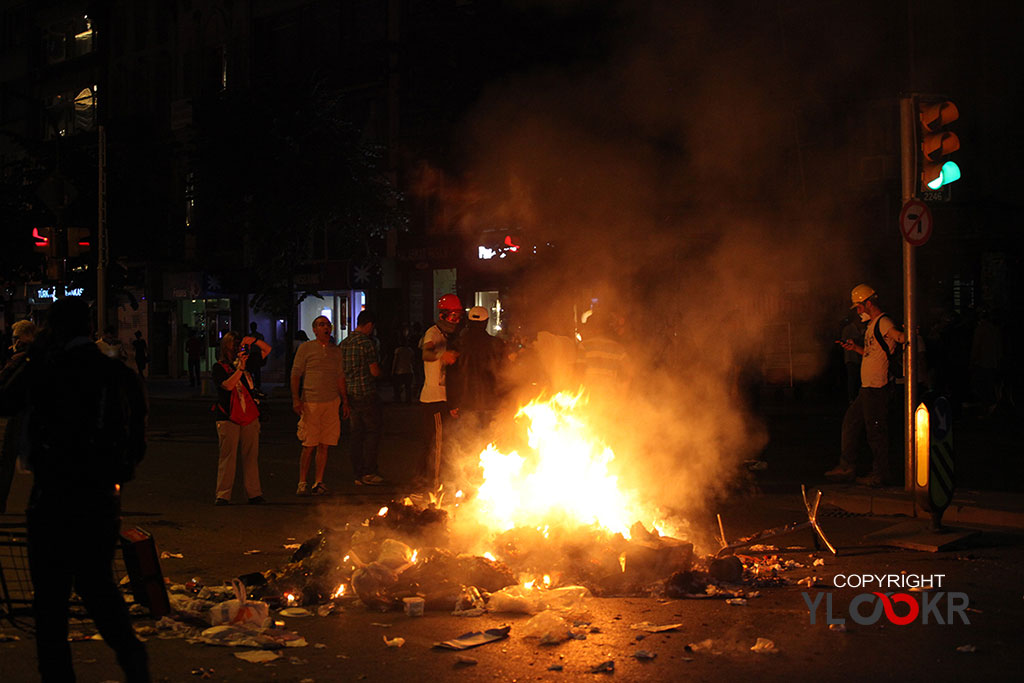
(173,494)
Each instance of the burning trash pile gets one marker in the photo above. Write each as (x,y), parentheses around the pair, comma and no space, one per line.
(542,527)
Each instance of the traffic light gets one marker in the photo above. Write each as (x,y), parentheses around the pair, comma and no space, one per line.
(42,240)
(937,143)
(78,241)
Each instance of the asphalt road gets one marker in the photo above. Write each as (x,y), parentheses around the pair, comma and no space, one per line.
(173,494)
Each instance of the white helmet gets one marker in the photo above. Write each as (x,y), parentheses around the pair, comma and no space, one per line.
(478,313)
(860,294)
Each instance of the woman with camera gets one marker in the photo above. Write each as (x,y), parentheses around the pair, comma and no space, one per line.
(237,414)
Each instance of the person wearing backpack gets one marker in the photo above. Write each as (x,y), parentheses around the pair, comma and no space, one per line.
(85,419)
(237,415)
(868,415)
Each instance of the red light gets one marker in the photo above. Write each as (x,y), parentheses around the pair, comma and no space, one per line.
(509,243)
(40,240)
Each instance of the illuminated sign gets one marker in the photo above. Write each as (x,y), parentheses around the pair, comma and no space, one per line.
(501,250)
(50,293)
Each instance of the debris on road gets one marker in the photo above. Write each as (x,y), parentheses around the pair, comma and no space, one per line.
(764,646)
(475,639)
(258,656)
(166,555)
(549,626)
(839,628)
(603,668)
(644,655)
(295,612)
(463,660)
(394,642)
(651,628)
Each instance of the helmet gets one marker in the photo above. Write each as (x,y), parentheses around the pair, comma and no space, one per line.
(478,313)
(449,302)
(860,294)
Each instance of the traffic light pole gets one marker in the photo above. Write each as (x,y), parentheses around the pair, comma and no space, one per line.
(101,233)
(908,167)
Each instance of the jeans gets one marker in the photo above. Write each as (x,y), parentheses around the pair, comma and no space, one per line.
(868,415)
(365,416)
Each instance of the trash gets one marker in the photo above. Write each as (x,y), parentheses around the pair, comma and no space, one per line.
(727,569)
(807,581)
(736,601)
(295,612)
(764,646)
(644,655)
(463,660)
(414,606)
(327,610)
(555,667)
(517,599)
(549,626)
(166,555)
(469,603)
(967,648)
(820,562)
(839,628)
(292,546)
(258,656)
(705,645)
(380,624)
(252,552)
(475,639)
(239,610)
(394,642)
(603,668)
(522,600)
(651,628)
(371,583)
(394,554)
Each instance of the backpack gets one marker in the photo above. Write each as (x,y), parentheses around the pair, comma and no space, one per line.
(895,356)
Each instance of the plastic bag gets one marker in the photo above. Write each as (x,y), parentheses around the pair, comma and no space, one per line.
(394,554)
(239,610)
(371,583)
(516,599)
(549,626)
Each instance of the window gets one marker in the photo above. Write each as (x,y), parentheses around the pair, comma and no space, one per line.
(71,112)
(68,39)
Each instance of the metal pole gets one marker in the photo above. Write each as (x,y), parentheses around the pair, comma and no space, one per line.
(908,106)
(101,232)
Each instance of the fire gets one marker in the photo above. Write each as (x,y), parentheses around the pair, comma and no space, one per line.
(383,511)
(290,598)
(340,592)
(490,556)
(564,478)
(415,554)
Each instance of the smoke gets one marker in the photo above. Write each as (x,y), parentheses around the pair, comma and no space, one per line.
(671,183)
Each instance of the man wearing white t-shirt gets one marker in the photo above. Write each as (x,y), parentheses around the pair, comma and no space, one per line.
(869,412)
(438,355)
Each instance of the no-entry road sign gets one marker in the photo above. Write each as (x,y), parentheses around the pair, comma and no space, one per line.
(916,222)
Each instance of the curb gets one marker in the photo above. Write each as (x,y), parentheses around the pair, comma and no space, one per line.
(964,511)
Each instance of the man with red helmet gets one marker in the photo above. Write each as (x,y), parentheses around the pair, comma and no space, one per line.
(438,355)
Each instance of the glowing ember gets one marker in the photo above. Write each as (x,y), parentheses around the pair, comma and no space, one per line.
(563,478)
(415,554)
(290,598)
(383,511)
(622,561)
(547,581)
(340,592)
(490,557)
(529,584)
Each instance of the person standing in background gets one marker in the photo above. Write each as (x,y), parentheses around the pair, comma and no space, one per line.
(359,358)
(141,353)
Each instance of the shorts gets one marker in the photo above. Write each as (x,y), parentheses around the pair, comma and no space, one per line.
(320,423)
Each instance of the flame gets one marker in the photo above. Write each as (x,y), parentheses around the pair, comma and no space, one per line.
(564,477)
(529,584)
(547,581)
(383,511)
(340,592)
(290,598)
(415,554)
(622,561)
(490,556)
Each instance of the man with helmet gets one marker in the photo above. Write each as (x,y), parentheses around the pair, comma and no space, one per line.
(868,414)
(438,354)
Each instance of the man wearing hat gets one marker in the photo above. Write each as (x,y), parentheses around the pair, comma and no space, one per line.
(868,414)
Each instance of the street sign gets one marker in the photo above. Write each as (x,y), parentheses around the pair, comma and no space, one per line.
(916,222)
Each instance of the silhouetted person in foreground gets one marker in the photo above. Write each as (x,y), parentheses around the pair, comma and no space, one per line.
(86,433)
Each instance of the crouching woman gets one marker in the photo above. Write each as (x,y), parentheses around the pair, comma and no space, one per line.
(237,415)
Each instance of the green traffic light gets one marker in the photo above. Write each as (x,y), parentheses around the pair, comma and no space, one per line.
(950,173)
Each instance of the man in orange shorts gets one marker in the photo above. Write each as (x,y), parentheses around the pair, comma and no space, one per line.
(318,371)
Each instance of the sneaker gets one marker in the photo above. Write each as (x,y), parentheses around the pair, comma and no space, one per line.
(258,500)
(872,480)
(303,489)
(221,501)
(373,480)
(840,473)
(319,489)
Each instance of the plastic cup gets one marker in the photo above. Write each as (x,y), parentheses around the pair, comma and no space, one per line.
(414,606)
